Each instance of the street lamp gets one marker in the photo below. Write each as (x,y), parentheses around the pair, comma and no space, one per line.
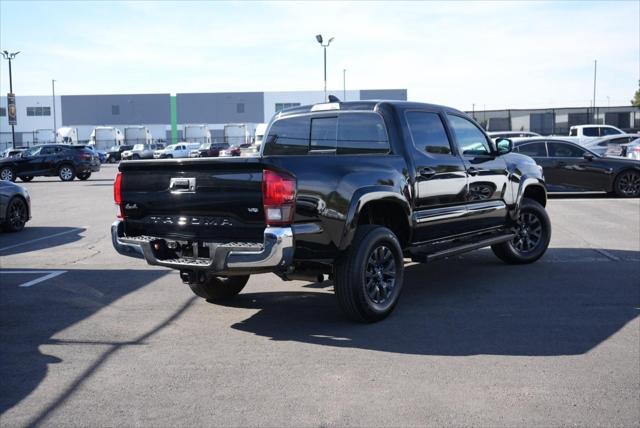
(10,56)
(324,46)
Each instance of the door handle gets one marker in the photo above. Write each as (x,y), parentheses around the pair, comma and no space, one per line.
(426,172)
(473,171)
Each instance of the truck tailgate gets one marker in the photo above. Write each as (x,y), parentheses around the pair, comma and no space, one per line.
(215,200)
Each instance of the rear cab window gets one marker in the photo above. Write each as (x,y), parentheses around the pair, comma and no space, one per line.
(345,133)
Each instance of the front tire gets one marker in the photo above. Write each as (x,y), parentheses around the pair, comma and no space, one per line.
(66,173)
(627,184)
(16,216)
(219,289)
(533,234)
(7,174)
(369,275)
(135,157)
(27,178)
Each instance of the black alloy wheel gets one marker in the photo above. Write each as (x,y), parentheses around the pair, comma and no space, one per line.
(528,230)
(368,276)
(380,274)
(532,234)
(627,184)
(17,215)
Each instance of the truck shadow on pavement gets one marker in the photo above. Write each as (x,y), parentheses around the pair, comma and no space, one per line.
(565,304)
(38,238)
(30,317)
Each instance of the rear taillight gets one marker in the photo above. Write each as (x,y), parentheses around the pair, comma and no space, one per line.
(278,197)
(117,195)
(85,156)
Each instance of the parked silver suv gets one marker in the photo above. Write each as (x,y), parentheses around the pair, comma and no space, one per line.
(142,151)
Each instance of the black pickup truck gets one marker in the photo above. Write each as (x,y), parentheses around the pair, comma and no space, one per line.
(344,189)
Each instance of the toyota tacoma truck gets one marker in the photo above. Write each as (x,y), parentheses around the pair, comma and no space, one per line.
(350,190)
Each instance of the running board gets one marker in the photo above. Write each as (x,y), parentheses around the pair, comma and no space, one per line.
(462,248)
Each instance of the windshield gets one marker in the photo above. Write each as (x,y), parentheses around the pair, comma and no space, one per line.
(205,146)
(170,148)
(138,147)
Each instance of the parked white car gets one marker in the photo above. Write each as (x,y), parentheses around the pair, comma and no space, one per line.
(180,150)
(585,133)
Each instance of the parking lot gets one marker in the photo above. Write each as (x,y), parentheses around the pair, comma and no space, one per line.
(90,338)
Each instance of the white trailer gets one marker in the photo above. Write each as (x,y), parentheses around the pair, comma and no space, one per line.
(67,135)
(236,134)
(137,135)
(197,134)
(105,137)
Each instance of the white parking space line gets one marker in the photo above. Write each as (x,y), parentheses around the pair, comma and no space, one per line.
(42,238)
(49,274)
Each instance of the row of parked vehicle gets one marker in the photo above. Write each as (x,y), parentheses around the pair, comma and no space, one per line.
(593,158)
(604,140)
(178,150)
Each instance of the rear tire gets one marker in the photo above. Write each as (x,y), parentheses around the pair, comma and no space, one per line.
(627,184)
(27,178)
(84,176)
(369,275)
(66,173)
(135,157)
(7,174)
(533,234)
(16,216)
(219,289)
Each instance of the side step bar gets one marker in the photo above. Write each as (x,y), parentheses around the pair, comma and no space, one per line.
(462,248)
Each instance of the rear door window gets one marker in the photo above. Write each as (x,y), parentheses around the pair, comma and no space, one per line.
(288,136)
(360,133)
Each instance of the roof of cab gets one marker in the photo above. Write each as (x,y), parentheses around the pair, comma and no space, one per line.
(365,105)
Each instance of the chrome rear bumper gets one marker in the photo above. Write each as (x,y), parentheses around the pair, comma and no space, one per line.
(275,253)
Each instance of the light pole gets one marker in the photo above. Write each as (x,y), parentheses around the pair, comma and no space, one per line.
(53,90)
(324,46)
(10,56)
(344,84)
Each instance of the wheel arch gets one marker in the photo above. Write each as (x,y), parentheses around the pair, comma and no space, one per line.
(530,187)
(378,205)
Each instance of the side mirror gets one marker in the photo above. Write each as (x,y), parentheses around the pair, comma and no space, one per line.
(588,156)
(504,146)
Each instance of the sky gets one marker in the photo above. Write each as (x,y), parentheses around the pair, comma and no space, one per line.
(490,55)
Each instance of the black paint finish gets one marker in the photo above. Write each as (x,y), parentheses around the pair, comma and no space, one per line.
(430,197)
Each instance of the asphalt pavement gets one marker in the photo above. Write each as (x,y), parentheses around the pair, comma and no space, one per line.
(91,338)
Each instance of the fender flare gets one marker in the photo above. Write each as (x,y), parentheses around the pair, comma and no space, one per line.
(363,196)
(526,182)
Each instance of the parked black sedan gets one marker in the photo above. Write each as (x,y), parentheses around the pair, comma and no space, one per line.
(15,206)
(65,161)
(569,167)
